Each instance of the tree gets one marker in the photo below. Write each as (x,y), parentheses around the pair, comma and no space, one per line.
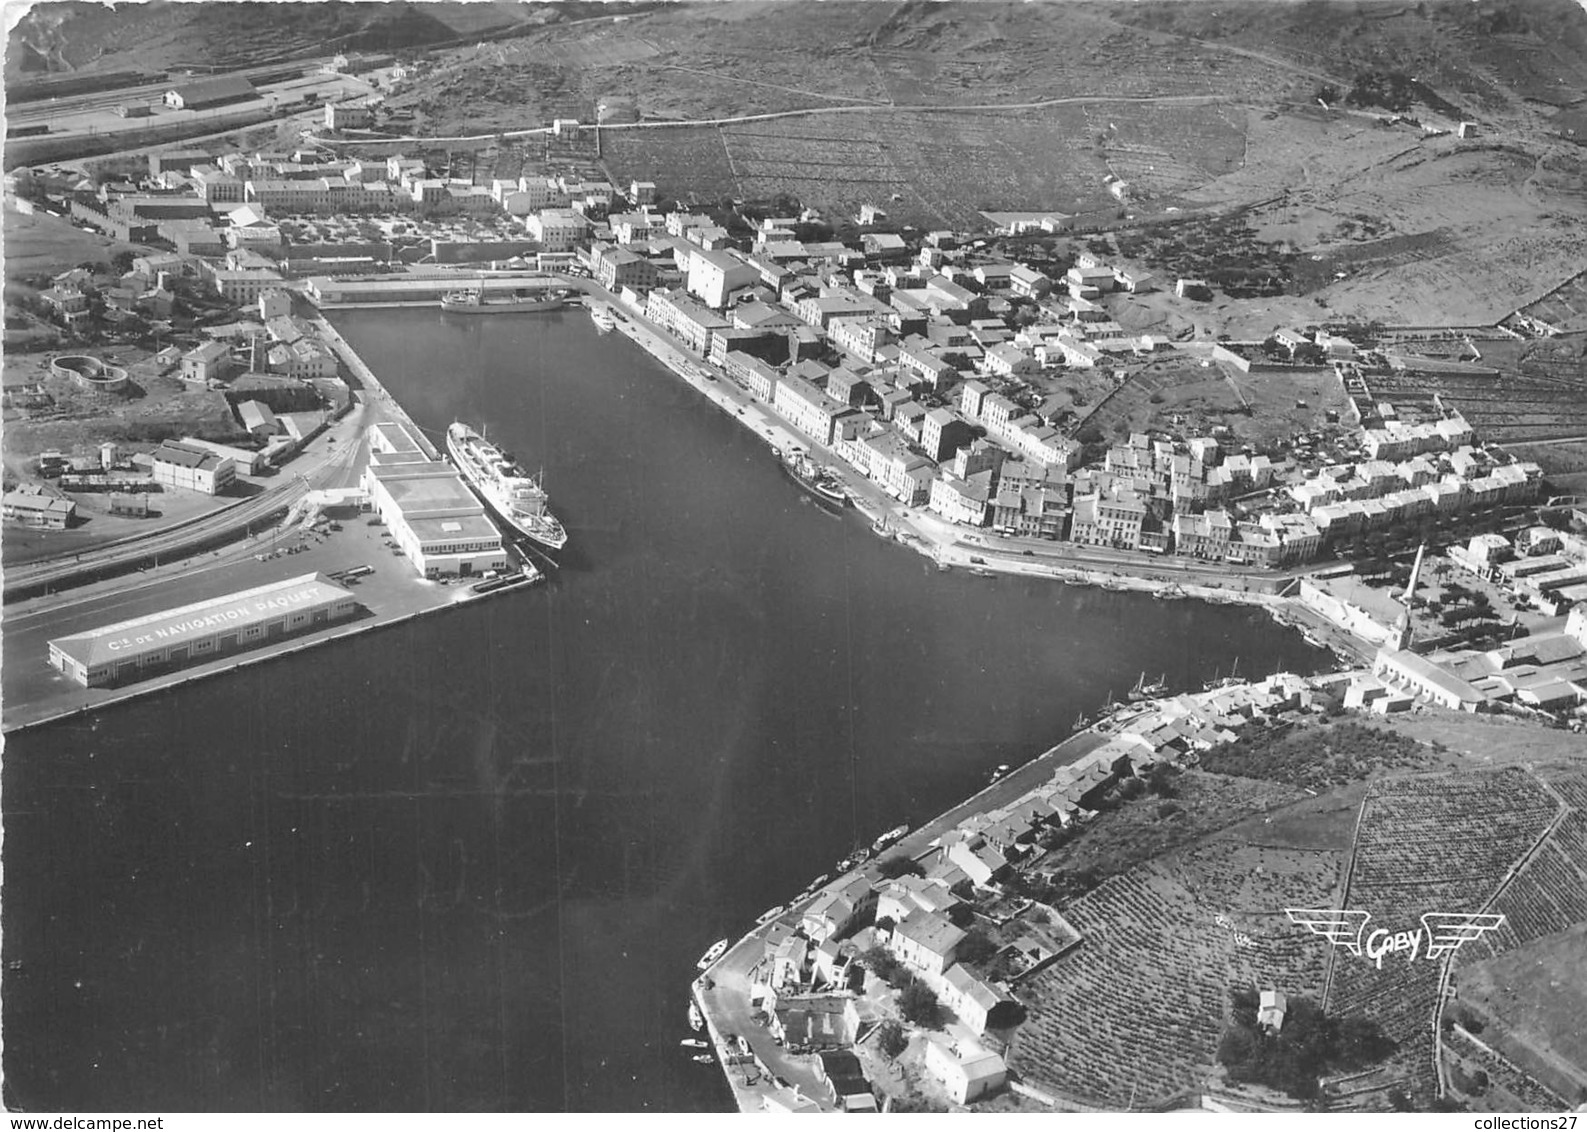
(885,923)
(918,1005)
(899,865)
(976,947)
(891,1038)
(122,262)
(884,965)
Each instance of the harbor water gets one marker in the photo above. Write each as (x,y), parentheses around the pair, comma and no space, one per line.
(468,863)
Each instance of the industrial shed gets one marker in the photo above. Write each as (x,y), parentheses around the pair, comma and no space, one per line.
(210,92)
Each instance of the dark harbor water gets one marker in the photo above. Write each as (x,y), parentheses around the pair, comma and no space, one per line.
(468,864)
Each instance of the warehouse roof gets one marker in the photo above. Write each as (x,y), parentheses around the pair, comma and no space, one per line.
(127,639)
(216,90)
(174,452)
(425,487)
(454,528)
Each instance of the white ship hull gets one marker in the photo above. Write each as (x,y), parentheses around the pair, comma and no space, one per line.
(516,498)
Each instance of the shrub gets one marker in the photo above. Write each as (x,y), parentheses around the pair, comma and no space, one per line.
(1160,780)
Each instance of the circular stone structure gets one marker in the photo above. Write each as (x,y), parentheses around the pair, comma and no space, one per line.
(90,373)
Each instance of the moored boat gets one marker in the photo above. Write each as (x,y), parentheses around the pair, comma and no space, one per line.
(694,1043)
(712,954)
(1145,691)
(603,316)
(888,838)
(696,1019)
(475,301)
(821,484)
(512,493)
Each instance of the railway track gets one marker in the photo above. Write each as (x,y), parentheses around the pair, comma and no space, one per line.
(187,537)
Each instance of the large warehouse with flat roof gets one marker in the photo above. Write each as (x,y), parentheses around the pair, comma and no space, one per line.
(174,638)
(433,516)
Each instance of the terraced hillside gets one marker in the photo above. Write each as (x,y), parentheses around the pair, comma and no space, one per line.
(1133,1014)
(1440,843)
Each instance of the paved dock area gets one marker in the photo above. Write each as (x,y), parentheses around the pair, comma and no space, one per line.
(35,692)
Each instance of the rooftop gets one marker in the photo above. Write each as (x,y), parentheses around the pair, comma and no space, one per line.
(101,646)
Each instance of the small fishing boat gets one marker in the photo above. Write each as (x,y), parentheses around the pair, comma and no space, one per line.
(695,1043)
(703,1058)
(696,1020)
(712,954)
(1145,691)
(888,838)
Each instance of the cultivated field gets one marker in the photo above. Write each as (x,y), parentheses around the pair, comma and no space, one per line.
(1133,1015)
(690,165)
(1504,409)
(1550,892)
(1427,843)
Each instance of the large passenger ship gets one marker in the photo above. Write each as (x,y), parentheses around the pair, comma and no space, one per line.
(506,488)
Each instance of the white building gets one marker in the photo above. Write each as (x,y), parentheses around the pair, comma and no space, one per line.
(179,465)
(556,229)
(433,516)
(967,1072)
(713,276)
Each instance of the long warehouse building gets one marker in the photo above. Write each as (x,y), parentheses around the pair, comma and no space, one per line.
(435,519)
(203,631)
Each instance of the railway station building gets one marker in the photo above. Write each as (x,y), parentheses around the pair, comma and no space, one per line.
(192,634)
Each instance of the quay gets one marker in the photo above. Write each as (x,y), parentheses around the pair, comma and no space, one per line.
(957,548)
(237,548)
(723,991)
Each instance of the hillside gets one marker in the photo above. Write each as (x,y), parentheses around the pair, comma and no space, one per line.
(77,36)
(1209,916)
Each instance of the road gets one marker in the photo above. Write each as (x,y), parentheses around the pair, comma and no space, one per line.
(329,461)
(948,543)
(778,115)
